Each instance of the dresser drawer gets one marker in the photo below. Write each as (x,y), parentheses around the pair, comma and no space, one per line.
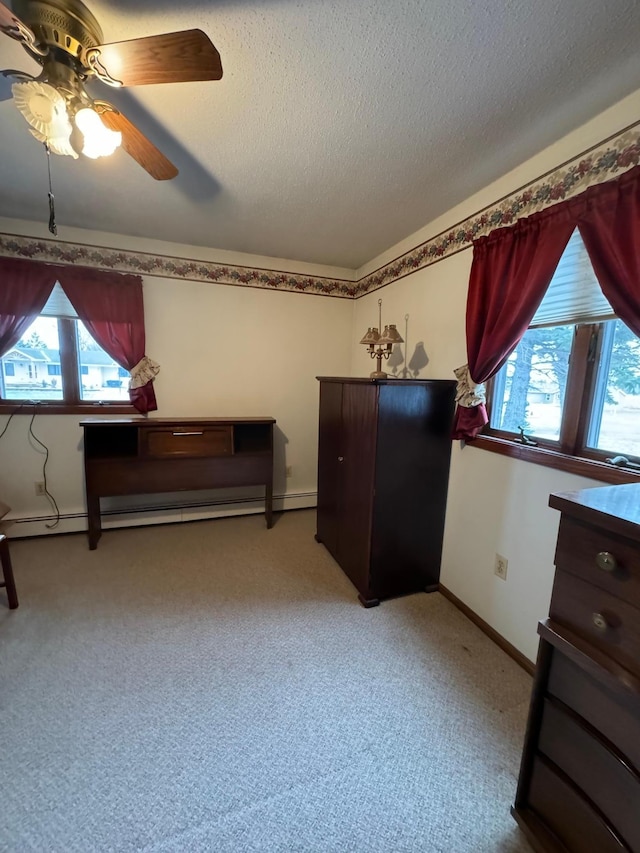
(568,815)
(187,441)
(601,558)
(602,619)
(618,721)
(599,773)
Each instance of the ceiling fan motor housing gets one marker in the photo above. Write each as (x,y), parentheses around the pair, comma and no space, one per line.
(64,24)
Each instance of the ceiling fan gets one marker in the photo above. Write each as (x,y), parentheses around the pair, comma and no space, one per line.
(66,40)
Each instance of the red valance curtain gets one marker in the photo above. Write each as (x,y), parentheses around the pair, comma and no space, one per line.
(111,307)
(24,290)
(512,269)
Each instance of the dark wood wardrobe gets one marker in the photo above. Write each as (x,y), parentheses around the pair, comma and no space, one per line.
(383,471)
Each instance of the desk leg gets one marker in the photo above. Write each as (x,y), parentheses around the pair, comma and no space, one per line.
(7,571)
(94,522)
(268,504)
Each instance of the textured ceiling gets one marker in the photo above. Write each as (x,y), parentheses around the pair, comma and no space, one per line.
(339,127)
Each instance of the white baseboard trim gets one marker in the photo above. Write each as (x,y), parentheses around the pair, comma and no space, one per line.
(76,522)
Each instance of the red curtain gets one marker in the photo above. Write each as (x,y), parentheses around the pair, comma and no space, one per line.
(610,229)
(24,289)
(510,273)
(512,268)
(111,307)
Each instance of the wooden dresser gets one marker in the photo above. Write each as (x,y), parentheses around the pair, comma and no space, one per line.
(383,473)
(579,785)
(138,456)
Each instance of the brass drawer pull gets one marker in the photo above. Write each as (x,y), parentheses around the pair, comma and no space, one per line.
(606,561)
(187,433)
(600,621)
(340,458)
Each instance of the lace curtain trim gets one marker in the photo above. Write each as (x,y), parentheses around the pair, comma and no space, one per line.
(468,392)
(144,371)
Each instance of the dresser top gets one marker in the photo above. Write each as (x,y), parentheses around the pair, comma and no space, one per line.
(615,508)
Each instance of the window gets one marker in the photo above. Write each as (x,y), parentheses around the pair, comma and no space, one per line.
(58,363)
(573,382)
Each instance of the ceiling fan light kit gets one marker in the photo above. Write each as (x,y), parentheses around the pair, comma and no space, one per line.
(67,41)
(49,116)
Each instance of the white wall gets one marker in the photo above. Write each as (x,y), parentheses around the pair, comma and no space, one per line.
(223,351)
(495,504)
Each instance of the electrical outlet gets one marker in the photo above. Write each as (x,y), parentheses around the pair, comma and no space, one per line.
(40,488)
(288,471)
(500,568)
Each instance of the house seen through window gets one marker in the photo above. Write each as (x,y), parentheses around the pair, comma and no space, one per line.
(573,381)
(57,360)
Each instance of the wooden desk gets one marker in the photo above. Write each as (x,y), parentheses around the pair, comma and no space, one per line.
(135,456)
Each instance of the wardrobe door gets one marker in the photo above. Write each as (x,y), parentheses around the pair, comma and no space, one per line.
(414,449)
(359,430)
(329,465)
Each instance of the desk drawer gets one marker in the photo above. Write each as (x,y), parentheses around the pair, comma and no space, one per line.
(618,719)
(568,815)
(600,558)
(603,620)
(599,773)
(187,441)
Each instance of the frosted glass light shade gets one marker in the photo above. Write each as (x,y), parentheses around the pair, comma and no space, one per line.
(99,141)
(46,111)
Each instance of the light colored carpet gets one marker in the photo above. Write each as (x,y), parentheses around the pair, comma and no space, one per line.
(216,686)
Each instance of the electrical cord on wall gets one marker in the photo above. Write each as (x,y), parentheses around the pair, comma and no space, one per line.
(9,419)
(47,493)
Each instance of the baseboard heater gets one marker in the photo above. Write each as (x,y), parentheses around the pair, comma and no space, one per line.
(243,506)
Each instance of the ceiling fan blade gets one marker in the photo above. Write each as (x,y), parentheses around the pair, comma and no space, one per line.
(13,27)
(5,88)
(8,20)
(170,58)
(136,144)
(8,77)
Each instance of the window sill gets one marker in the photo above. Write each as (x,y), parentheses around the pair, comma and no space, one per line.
(17,407)
(560,461)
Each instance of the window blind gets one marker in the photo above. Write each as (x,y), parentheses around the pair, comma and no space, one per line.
(58,304)
(574,295)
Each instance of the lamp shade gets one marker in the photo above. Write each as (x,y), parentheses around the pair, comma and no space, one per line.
(99,140)
(46,111)
(372,336)
(390,335)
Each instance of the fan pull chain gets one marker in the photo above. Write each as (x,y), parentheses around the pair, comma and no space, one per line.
(53,228)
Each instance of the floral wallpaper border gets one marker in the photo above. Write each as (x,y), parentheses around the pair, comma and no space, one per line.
(143,263)
(611,158)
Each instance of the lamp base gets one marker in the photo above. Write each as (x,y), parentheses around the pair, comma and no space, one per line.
(378,374)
